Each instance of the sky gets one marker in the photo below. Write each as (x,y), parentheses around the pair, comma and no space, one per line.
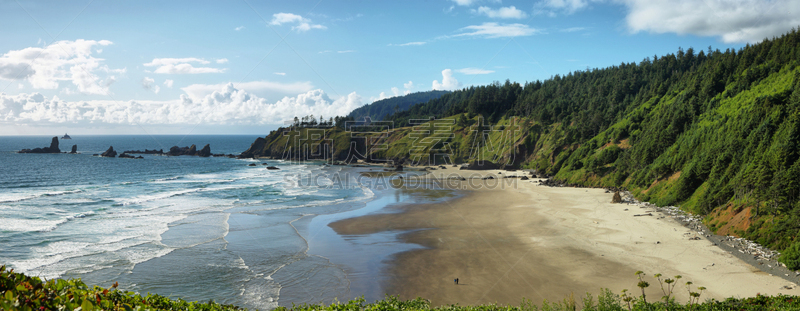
(247,67)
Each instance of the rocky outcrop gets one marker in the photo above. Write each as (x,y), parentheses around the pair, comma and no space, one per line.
(110,153)
(255,150)
(190,151)
(52,149)
(485,165)
(74,149)
(617,198)
(126,156)
(146,151)
(205,152)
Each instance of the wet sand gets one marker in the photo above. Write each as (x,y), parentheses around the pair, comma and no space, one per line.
(536,242)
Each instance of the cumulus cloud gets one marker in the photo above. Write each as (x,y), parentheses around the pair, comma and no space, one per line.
(225,106)
(474,71)
(503,12)
(298,22)
(69,61)
(150,85)
(733,21)
(202,90)
(448,81)
(168,83)
(495,30)
(222,60)
(182,66)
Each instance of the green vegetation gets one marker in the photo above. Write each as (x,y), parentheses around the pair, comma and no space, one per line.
(384,107)
(710,131)
(706,130)
(21,292)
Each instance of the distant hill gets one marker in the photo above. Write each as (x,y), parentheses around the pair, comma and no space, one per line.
(380,109)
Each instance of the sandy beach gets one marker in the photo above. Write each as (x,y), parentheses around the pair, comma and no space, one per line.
(515,239)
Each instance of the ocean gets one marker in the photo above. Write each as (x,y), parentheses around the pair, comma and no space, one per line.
(188,227)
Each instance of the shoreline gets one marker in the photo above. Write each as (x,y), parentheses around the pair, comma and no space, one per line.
(540,243)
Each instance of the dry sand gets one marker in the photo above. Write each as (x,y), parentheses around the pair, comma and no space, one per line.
(520,240)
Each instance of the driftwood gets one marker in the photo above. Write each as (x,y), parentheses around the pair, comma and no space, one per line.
(648,214)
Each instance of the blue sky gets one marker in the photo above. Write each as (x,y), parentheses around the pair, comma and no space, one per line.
(244,67)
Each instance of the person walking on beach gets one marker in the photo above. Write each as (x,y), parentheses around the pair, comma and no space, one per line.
(456,280)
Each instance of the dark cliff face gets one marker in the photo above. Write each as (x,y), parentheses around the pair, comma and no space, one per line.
(257,149)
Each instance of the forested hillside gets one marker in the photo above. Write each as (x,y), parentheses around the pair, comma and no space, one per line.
(381,108)
(716,132)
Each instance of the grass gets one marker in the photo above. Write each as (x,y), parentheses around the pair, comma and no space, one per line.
(25,293)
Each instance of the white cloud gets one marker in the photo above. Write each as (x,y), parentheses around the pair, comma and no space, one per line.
(495,30)
(566,6)
(409,85)
(503,12)
(465,2)
(299,23)
(168,83)
(150,85)
(573,29)
(474,71)
(409,43)
(182,66)
(731,20)
(239,28)
(280,73)
(448,82)
(69,61)
(225,106)
(222,60)
(201,90)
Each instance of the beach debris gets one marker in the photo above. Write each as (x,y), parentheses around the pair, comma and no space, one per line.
(648,214)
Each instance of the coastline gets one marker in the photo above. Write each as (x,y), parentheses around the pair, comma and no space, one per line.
(538,243)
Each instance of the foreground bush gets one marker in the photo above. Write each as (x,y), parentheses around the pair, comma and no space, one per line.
(21,292)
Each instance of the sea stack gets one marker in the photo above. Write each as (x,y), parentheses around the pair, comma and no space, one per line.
(52,149)
(74,149)
(110,153)
(205,152)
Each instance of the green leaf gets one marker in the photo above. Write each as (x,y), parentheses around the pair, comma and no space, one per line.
(87,305)
(9,295)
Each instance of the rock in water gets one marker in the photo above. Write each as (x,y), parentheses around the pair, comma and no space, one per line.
(109,153)
(54,145)
(192,150)
(74,149)
(205,152)
(52,149)
(617,198)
